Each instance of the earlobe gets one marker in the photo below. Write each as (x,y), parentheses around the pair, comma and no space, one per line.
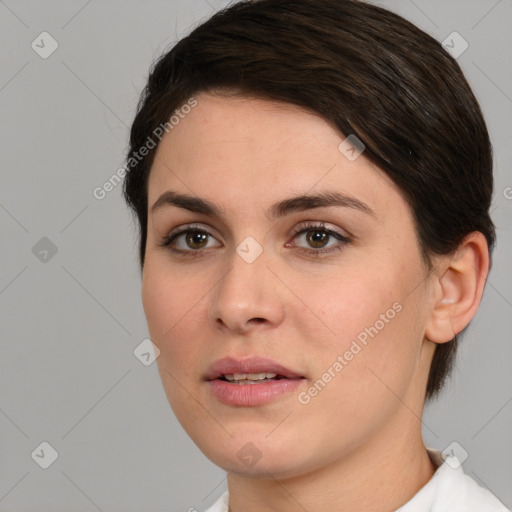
(458,289)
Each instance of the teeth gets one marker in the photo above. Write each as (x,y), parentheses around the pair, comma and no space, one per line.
(249,376)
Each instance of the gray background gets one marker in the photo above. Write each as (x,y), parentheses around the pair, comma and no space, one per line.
(71,322)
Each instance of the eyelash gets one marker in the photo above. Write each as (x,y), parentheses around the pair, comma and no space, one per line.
(316,253)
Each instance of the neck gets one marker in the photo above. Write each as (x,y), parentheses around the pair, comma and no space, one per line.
(377,477)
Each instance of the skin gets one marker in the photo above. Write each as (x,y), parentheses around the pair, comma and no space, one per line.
(350,445)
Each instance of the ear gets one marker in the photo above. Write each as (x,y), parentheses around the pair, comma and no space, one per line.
(458,288)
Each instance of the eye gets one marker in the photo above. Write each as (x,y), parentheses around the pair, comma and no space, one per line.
(192,240)
(318,237)
(189,240)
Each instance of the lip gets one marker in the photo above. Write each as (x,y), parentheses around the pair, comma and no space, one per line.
(251,395)
(253,364)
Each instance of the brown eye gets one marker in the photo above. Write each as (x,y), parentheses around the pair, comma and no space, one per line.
(190,240)
(317,238)
(196,239)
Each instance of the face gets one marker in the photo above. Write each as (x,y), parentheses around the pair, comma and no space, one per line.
(331,288)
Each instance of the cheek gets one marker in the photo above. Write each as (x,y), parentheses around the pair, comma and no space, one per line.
(167,295)
(345,303)
(369,340)
(355,390)
(171,304)
(172,309)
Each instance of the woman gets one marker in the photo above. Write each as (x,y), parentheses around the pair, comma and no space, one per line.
(314,237)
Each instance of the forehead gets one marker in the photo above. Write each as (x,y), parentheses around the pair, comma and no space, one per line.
(247,150)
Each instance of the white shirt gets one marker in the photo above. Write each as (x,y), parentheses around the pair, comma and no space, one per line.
(449,490)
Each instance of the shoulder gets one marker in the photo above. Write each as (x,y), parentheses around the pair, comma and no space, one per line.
(457,491)
(449,490)
(452,490)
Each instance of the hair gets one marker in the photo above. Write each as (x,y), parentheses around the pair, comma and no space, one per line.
(368,71)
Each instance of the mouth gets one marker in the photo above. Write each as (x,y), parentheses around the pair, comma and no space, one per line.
(253,369)
(251,378)
(251,382)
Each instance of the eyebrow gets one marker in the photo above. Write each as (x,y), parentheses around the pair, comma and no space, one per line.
(277,210)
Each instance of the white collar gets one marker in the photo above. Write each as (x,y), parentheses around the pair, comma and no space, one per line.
(449,490)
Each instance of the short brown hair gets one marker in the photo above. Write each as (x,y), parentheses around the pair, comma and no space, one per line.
(371,73)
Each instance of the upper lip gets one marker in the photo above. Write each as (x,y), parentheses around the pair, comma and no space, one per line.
(253,364)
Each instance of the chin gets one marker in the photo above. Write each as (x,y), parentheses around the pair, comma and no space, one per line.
(279,469)
(257,456)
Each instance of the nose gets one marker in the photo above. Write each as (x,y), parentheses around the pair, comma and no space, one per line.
(247,297)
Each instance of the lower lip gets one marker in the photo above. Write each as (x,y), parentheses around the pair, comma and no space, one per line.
(250,395)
